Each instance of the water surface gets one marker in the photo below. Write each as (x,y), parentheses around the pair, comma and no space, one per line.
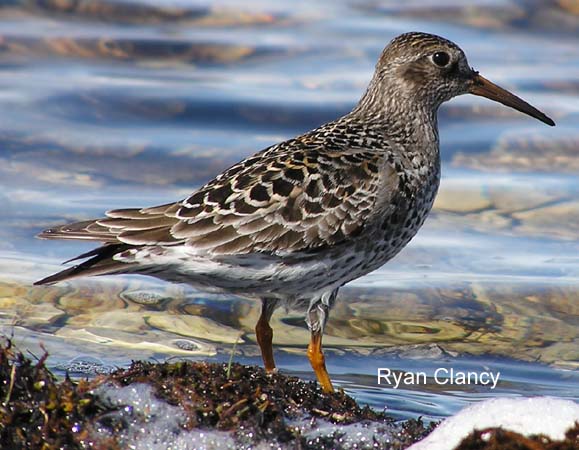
(119,104)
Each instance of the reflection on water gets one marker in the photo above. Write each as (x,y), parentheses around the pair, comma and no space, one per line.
(111,104)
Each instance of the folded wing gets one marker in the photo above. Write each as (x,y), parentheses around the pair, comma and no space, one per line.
(277,203)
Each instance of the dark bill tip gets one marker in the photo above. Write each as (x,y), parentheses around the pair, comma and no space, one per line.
(483,87)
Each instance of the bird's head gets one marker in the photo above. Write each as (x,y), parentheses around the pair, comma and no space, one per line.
(428,70)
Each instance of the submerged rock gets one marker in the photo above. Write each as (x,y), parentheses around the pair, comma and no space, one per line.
(525,152)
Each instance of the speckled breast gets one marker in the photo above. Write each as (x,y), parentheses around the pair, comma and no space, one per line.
(392,231)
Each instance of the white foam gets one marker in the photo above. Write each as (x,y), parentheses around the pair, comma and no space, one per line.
(537,415)
(153,424)
(149,423)
(361,435)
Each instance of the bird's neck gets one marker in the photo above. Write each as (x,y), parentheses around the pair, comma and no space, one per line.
(389,97)
(401,118)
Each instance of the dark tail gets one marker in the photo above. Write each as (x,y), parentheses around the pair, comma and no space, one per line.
(101,263)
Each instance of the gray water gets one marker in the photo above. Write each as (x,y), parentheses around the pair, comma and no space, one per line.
(123,104)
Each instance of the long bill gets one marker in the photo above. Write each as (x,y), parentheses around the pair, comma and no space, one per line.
(483,87)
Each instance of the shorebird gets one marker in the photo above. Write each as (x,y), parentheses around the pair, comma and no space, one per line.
(296,221)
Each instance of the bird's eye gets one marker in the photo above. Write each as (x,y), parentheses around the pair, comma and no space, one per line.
(441,59)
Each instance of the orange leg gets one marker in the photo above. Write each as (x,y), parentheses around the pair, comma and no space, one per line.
(264,335)
(318,362)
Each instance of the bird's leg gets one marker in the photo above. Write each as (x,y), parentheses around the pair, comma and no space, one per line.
(264,333)
(318,362)
(316,319)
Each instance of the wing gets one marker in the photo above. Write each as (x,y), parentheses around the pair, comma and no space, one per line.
(288,198)
(151,224)
(285,202)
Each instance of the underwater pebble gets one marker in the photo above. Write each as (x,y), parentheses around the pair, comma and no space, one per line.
(461,198)
(144,297)
(85,365)
(188,345)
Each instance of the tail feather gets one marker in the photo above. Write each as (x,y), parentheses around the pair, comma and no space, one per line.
(94,252)
(88,230)
(101,263)
(120,230)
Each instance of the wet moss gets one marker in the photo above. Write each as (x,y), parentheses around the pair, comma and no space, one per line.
(242,397)
(499,439)
(39,411)
(36,410)
(413,430)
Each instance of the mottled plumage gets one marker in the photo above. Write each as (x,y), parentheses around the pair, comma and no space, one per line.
(296,221)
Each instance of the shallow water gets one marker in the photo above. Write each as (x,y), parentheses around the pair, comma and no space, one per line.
(117,104)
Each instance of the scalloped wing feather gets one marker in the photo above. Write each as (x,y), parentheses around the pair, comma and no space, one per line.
(280,201)
(283,207)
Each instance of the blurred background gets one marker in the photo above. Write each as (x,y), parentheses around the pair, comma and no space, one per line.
(110,103)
